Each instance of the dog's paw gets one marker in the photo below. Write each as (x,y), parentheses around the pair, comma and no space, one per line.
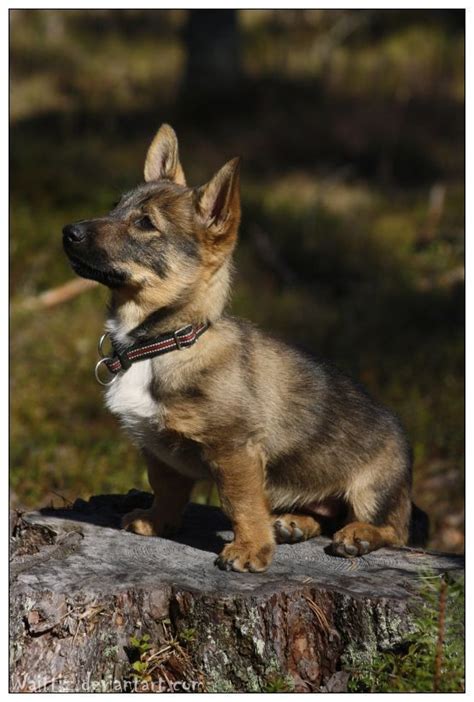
(291,528)
(245,558)
(356,539)
(140,521)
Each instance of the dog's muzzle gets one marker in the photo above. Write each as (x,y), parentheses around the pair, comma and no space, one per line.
(74,233)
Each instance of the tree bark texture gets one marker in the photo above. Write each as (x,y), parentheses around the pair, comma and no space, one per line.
(95,608)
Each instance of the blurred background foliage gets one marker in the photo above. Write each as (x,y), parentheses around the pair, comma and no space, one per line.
(351,128)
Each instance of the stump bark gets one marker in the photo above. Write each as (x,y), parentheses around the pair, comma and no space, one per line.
(95,608)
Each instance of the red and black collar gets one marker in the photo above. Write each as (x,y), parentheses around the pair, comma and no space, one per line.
(121,360)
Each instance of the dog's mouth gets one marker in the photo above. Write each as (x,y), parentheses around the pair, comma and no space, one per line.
(109,277)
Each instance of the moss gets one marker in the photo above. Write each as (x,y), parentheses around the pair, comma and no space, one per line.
(278,683)
(111,652)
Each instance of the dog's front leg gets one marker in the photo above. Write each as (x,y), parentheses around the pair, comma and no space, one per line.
(240,480)
(171,495)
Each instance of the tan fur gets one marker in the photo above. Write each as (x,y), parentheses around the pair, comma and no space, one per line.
(292,444)
(171,494)
(359,538)
(162,160)
(240,476)
(290,528)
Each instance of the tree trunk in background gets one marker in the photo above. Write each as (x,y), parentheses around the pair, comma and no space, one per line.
(213,65)
(84,594)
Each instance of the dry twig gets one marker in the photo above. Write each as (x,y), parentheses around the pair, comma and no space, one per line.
(443,591)
(56,296)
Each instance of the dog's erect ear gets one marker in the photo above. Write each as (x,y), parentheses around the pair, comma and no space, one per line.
(162,159)
(219,200)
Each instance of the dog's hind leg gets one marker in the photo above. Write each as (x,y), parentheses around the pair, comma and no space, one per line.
(379,503)
(370,529)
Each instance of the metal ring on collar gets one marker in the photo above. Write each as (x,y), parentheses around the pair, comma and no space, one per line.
(101,343)
(113,377)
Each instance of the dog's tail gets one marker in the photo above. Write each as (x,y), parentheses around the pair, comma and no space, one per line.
(419,527)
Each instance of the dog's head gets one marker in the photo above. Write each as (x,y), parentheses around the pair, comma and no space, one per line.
(162,239)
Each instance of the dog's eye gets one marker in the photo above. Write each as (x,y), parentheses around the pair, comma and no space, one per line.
(144,223)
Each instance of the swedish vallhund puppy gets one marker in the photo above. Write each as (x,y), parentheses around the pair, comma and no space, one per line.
(290,442)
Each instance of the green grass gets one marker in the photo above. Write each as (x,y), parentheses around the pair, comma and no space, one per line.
(412,669)
(337,172)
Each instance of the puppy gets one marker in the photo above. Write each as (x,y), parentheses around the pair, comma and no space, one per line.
(290,442)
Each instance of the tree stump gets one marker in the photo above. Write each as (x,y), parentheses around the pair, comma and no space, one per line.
(94,608)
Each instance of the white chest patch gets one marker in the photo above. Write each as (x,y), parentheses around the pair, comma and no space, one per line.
(129,396)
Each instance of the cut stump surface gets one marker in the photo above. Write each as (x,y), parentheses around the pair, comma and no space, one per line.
(82,588)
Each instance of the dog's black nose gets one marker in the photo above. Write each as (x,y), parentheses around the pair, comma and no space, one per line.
(74,233)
